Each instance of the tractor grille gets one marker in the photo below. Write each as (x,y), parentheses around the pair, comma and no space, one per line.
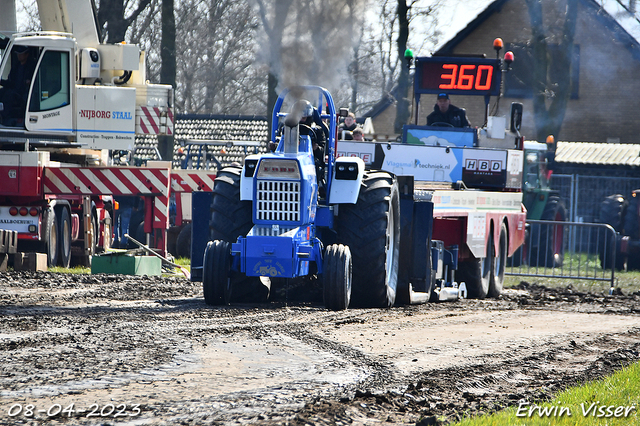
(278,201)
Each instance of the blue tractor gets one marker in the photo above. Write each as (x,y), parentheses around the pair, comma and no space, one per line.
(291,213)
(301,212)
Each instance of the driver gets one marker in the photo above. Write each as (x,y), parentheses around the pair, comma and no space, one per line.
(313,125)
(444,112)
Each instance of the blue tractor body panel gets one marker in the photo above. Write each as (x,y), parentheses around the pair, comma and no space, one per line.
(277,252)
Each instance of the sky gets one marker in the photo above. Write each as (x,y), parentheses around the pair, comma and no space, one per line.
(454,16)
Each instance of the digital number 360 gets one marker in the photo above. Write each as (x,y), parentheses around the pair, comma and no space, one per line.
(467,77)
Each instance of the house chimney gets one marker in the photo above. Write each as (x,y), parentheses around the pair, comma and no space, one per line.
(632,6)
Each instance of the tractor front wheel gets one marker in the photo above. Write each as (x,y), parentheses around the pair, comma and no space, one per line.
(337,277)
(216,282)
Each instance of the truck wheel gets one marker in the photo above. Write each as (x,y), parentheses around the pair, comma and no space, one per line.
(230,217)
(216,284)
(64,240)
(183,242)
(612,212)
(51,237)
(337,277)
(476,273)
(547,240)
(371,230)
(497,272)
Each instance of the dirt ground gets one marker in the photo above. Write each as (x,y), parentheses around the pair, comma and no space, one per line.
(82,349)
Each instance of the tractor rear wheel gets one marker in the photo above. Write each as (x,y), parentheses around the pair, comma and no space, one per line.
(612,212)
(337,277)
(216,282)
(230,217)
(547,248)
(371,230)
(497,272)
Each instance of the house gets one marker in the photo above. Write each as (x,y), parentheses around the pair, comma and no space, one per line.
(606,62)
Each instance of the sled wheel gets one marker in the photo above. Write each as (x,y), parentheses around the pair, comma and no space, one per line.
(216,284)
(337,277)
(497,272)
(476,273)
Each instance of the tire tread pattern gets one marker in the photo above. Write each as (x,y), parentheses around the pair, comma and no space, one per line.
(363,228)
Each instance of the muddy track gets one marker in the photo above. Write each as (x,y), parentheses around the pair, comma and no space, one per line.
(140,350)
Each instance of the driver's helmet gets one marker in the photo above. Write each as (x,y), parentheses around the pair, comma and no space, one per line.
(304,109)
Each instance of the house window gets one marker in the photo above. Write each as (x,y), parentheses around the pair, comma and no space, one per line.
(519,80)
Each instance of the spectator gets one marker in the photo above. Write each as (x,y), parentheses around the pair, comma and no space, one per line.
(347,127)
(357,134)
(446,114)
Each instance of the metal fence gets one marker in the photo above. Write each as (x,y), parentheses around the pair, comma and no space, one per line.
(583,194)
(571,250)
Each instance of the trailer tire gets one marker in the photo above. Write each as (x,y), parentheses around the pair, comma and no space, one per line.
(51,235)
(476,273)
(183,242)
(336,277)
(612,212)
(547,247)
(64,240)
(497,272)
(216,282)
(371,230)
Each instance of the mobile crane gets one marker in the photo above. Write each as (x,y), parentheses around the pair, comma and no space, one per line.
(84,100)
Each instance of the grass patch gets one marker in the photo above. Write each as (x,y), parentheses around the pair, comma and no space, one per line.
(73,270)
(610,401)
(628,282)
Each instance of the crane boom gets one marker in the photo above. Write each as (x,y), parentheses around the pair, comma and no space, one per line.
(70,16)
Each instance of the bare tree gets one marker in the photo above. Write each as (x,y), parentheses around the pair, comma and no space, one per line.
(273,24)
(215,56)
(168,44)
(407,12)
(551,95)
(116,16)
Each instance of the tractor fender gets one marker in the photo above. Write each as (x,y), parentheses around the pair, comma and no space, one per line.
(346,180)
(246,177)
